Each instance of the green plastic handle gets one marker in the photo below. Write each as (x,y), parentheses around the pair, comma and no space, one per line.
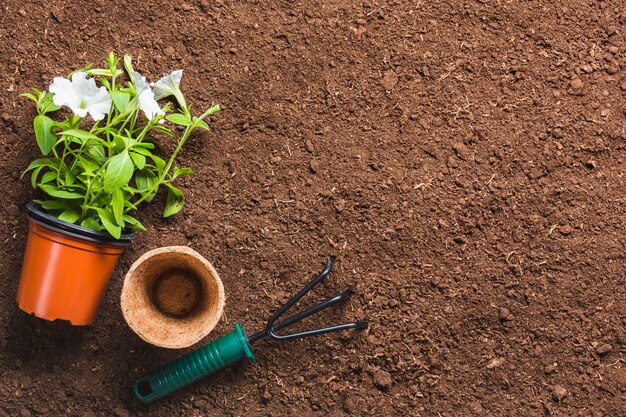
(194,366)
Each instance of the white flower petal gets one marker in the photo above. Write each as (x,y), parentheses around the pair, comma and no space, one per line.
(168,85)
(79,111)
(81,95)
(82,85)
(140,82)
(63,93)
(99,104)
(147,103)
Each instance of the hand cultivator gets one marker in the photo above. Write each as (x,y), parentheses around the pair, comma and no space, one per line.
(237,344)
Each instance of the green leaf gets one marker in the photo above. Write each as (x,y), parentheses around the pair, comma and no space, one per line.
(121,143)
(46,104)
(47,177)
(118,172)
(146,145)
(105,82)
(134,223)
(85,178)
(163,129)
(65,140)
(200,123)
(56,192)
(108,221)
(167,108)
(142,150)
(69,216)
(182,171)
(212,110)
(44,134)
(53,205)
(132,191)
(30,96)
(70,178)
(151,195)
(120,100)
(91,223)
(49,162)
(34,175)
(111,61)
(96,185)
(117,204)
(97,153)
(132,106)
(175,201)
(177,172)
(178,119)
(66,123)
(128,65)
(158,162)
(138,159)
(145,180)
(87,165)
(103,72)
(82,134)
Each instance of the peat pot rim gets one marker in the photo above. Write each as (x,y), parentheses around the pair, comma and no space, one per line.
(37,215)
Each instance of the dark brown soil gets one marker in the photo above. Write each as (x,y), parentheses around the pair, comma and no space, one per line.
(177,292)
(465,160)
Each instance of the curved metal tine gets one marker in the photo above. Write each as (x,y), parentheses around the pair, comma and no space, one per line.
(362,324)
(312,310)
(329,266)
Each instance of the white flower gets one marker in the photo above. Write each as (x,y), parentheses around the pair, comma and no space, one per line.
(147,103)
(170,85)
(81,95)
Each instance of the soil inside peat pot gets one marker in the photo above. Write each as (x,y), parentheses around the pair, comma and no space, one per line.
(177,293)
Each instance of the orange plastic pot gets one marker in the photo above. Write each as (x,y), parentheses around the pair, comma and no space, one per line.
(66,268)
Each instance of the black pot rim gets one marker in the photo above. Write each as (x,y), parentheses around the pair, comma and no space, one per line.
(36,214)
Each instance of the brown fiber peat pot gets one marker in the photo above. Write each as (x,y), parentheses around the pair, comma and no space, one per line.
(66,268)
(172,297)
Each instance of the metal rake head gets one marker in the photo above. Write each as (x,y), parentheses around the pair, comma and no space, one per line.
(273,325)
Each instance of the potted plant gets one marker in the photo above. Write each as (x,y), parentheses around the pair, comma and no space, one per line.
(98,166)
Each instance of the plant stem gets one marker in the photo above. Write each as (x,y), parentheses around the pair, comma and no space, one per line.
(186,134)
(188,131)
(88,192)
(147,127)
(111,109)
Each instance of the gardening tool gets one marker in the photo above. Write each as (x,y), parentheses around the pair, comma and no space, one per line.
(237,344)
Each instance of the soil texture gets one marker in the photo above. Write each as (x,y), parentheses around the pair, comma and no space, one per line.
(464,160)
